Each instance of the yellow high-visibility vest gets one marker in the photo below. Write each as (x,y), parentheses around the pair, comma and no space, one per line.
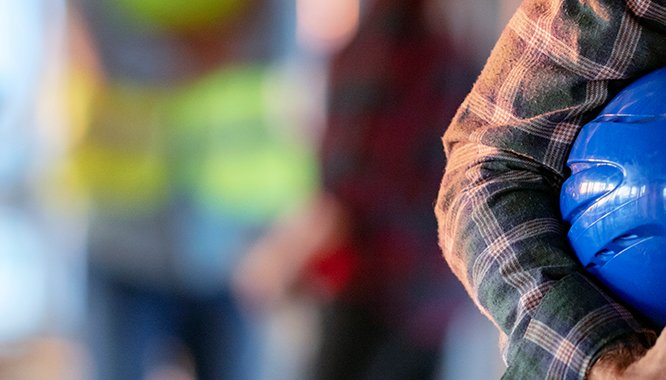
(213,141)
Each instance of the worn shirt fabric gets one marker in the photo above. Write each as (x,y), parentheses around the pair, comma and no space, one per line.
(555,65)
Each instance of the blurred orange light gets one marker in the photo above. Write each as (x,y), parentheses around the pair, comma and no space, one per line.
(326,25)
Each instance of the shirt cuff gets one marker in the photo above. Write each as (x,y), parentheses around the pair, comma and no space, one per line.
(573,324)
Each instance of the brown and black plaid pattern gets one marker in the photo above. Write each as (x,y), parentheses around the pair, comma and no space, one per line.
(556,64)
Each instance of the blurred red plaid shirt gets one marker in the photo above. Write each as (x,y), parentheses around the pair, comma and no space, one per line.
(392,92)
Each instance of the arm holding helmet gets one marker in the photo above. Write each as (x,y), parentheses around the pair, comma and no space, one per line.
(555,65)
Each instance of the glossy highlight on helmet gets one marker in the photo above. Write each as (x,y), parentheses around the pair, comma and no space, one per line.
(615,198)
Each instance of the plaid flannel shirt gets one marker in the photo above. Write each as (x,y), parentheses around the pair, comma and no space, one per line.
(555,65)
(391,90)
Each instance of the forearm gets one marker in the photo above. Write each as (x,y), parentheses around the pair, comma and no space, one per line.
(507,245)
(616,358)
(554,67)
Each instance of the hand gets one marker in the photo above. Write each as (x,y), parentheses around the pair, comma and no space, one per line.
(632,362)
(273,267)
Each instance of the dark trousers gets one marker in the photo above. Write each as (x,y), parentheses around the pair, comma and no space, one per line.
(132,330)
(357,345)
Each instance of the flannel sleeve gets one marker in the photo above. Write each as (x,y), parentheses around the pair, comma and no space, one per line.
(555,65)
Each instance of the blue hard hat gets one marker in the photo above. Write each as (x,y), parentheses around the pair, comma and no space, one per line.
(615,198)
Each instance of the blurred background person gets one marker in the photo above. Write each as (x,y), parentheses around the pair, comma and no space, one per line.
(390,91)
(185,163)
(191,126)
(367,242)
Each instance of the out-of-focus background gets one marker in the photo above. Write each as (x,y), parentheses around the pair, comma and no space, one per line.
(234,189)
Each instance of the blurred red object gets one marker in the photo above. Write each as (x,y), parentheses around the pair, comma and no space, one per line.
(330,273)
